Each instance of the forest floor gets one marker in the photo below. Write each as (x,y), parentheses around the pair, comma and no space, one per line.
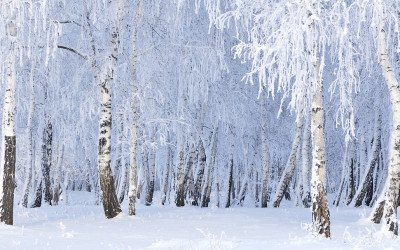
(82,225)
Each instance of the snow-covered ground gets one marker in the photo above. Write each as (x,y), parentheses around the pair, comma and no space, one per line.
(82,225)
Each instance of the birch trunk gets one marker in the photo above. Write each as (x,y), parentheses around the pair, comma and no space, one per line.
(134,129)
(305,149)
(351,182)
(230,168)
(265,173)
(393,183)
(7,161)
(110,201)
(133,167)
(150,178)
(290,164)
(199,175)
(206,192)
(46,159)
(180,176)
(57,180)
(29,165)
(320,209)
(123,187)
(165,185)
(367,179)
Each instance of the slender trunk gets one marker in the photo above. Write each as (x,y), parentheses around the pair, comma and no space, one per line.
(189,178)
(393,183)
(166,177)
(290,164)
(132,192)
(180,176)
(7,161)
(298,181)
(123,187)
(215,171)
(363,157)
(56,192)
(230,168)
(65,187)
(243,185)
(305,150)
(29,128)
(265,174)
(206,193)
(46,159)
(367,179)
(344,175)
(150,178)
(200,174)
(133,166)
(320,209)
(351,183)
(118,168)
(38,196)
(380,179)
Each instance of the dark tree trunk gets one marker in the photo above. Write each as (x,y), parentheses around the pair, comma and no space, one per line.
(149,177)
(38,196)
(200,175)
(230,184)
(180,192)
(46,160)
(378,212)
(351,186)
(8,180)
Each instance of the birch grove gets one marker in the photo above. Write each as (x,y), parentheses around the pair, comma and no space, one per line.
(153,103)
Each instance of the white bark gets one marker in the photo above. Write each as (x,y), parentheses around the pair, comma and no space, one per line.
(180,175)
(110,201)
(306,162)
(57,178)
(29,128)
(265,173)
(393,183)
(8,147)
(134,129)
(165,182)
(320,209)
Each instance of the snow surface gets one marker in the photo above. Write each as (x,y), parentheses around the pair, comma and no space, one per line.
(82,225)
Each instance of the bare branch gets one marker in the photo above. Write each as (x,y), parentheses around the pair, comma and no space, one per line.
(73,51)
(65,22)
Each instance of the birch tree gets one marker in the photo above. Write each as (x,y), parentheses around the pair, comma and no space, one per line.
(8,157)
(104,79)
(299,67)
(391,194)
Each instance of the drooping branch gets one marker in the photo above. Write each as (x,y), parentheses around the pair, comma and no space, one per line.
(73,51)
